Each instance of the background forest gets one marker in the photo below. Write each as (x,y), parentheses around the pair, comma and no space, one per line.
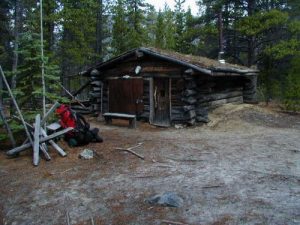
(260,33)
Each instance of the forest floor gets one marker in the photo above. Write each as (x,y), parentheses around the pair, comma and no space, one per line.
(241,168)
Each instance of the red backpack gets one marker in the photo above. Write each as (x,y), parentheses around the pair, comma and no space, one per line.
(81,134)
(67,119)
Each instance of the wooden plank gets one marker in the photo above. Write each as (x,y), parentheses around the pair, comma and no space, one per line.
(238,99)
(217,96)
(43,139)
(36,145)
(51,110)
(43,148)
(54,145)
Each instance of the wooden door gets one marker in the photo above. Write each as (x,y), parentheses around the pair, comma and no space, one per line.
(161,102)
(126,96)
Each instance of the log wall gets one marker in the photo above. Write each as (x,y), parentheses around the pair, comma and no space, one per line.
(192,95)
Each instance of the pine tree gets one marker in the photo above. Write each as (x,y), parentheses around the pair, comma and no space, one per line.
(150,25)
(190,35)
(160,31)
(120,29)
(5,37)
(135,18)
(179,25)
(170,29)
(77,45)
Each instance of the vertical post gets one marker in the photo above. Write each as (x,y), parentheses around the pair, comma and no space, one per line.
(101,107)
(220,28)
(42,56)
(36,146)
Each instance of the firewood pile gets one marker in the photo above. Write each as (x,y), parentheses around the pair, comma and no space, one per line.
(37,137)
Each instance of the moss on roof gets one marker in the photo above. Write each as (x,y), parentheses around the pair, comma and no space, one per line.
(199,61)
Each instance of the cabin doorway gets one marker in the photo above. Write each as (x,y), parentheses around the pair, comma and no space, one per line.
(126,96)
(161,102)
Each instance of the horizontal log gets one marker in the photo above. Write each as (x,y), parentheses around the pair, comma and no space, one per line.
(238,99)
(190,84)
(177,112)
(188,108)
(189,92)
(189,100)
(216,96)
(207,84)
(95,94)
(95,78)
(201,111)
(179,119)
(96,89)
(97,83)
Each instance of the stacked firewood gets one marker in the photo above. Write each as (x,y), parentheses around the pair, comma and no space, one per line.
(190,100)
(250,90)
(96,92)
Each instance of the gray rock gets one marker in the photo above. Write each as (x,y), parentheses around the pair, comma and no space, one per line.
(168,199)
(86,154)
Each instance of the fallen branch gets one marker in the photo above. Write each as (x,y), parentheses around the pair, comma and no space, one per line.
(132,152)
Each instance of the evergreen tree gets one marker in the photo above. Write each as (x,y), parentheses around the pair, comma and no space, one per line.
(5,37)
(150,25)
(170,29)
(120,29)
(190,36)
(160,31)
(77,46)
(179,25)
(135,18)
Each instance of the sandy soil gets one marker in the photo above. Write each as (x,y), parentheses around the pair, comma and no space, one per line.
(241,168)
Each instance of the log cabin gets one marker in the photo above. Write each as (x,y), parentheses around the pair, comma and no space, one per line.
(167,88)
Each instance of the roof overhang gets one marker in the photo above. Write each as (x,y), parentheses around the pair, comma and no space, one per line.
(222,70)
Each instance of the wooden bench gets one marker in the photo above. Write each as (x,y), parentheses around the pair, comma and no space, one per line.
(109,116)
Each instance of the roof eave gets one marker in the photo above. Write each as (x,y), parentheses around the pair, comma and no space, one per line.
(208,71)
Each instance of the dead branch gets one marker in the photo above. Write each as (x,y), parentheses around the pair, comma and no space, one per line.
(132,152)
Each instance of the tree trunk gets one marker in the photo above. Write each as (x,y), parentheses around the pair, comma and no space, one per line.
(17,29)
(49,9)
(251,39)
(99,33)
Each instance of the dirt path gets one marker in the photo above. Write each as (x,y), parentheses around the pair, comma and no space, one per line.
(241,168)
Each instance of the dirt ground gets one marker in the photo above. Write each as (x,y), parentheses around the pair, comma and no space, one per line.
(241,168)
